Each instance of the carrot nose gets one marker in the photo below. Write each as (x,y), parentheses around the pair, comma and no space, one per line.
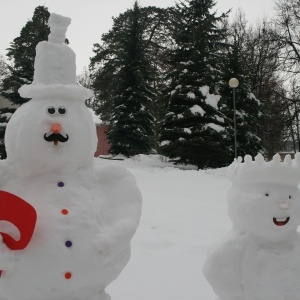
(55,128)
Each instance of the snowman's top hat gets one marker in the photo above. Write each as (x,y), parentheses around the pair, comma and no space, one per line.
(258,171)
(55,66)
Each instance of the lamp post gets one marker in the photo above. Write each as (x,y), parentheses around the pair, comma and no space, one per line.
(234,83)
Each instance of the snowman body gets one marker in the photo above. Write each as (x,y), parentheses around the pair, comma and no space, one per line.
(260,257)
(87,210)
(72,236)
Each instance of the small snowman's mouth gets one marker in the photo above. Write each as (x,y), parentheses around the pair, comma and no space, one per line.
(281,221)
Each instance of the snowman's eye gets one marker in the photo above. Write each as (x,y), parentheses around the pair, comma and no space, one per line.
(51,110)
(266,194)
(62,110)
(290,197)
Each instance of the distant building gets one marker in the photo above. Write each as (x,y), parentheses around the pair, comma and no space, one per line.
(102,129)
(103,144)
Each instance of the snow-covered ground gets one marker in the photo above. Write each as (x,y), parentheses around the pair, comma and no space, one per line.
(184,213)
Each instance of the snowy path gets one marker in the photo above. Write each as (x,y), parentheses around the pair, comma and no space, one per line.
(184,212)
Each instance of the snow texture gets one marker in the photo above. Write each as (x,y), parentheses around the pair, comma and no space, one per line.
(164,143)
(196,109)
(210,99)
(191,95)
(215,127)
(187,130)
(87,210)
(260,257)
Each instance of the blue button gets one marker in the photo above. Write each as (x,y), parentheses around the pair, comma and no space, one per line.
(68,244)
(60,184)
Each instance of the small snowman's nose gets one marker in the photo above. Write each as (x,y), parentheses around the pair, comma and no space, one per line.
(55,128)
(284,205)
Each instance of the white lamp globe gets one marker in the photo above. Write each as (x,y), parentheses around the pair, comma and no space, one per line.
(233,83)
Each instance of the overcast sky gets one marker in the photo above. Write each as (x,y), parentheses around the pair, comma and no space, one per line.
(92,18)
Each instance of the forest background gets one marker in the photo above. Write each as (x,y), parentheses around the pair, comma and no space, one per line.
(160,78)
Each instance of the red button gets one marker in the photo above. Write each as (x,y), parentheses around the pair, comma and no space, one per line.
(64,211)
(68,275)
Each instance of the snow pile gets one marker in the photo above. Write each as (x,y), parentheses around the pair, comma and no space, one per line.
(260,257)
(152,161)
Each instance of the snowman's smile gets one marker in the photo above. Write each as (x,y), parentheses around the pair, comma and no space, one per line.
(55,138)
(281,221)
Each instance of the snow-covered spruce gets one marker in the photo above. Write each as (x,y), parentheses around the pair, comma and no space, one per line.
(87,212)
(259,259)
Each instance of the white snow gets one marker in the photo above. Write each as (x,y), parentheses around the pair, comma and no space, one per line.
(215,127)
(252,97)
(196,109)
(191,95)
(187,130)
(163,143)
(221,120)
(211,99)
(184,213)
(96,118)
(88,211)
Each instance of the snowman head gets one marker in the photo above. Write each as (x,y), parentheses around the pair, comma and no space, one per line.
(264,199)
(51,135)
(54,131)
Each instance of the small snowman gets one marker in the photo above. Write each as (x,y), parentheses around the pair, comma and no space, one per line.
(66,218)
(259,259)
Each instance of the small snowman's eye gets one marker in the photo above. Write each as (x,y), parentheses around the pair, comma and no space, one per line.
(51,110)
(266,194)
(62,110)
(290,197)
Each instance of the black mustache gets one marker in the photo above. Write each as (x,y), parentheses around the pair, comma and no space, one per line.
(55,137)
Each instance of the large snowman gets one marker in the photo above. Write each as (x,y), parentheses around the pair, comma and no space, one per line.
(259,259)
(66,218)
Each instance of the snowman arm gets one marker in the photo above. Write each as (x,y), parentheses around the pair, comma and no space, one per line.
(123,199)
(222,269)
(115,238)
(122,208)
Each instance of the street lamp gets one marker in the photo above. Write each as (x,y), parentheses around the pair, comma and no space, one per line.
(234,83)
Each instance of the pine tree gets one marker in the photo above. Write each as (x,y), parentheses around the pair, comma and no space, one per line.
(193,131)
(109,60)
(132,125)
(22,54)
(123,79)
